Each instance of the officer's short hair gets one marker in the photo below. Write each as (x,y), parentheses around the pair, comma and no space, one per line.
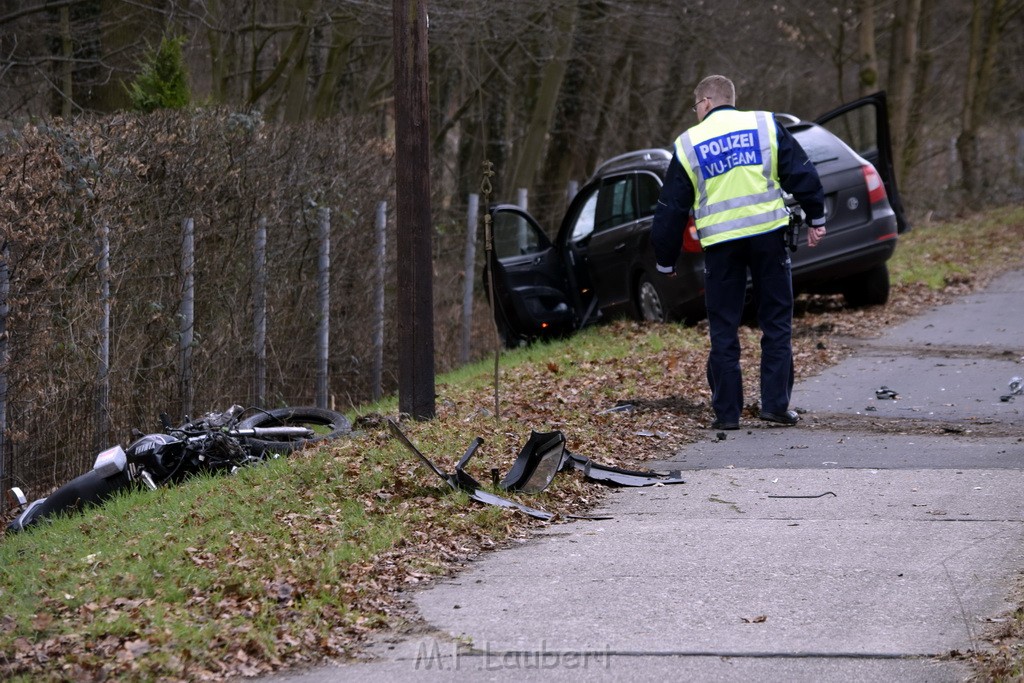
(718,88)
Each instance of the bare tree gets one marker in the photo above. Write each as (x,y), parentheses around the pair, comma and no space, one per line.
(989,19)
(903,64)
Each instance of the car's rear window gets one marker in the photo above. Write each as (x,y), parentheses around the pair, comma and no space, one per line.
(820,145)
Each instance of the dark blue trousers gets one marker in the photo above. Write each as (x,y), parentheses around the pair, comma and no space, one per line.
(766,258)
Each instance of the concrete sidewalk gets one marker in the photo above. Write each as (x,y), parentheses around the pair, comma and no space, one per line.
(911,548)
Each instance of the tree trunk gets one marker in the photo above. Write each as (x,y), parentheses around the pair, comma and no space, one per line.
(325,99)
(902,75)
(981,53)
(297,43)
(67,81)
(295,89)
(916,116)
(604,120)
(532,147)
(867,54)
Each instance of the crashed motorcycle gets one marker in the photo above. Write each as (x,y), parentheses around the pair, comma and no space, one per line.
(214,443)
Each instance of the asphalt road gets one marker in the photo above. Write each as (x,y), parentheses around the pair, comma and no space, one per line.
(867,543)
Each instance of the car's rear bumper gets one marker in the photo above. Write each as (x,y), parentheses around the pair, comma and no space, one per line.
(818,279)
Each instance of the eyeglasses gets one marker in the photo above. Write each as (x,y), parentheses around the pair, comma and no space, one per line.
(697,104)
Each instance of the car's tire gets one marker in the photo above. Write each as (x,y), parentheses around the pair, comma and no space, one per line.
(870,288)
(334,425)
(650,304)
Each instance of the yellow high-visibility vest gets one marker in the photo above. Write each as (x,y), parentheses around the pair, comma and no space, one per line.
(732,160)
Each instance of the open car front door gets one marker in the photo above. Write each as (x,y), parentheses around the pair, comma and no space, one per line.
(864,125)
(531,298)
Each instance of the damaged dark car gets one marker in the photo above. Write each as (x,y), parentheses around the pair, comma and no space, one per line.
(601,264)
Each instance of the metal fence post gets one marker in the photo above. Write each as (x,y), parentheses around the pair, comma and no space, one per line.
(468,270)
(5,291)
(187,313)
(522,237)
(324,300)
(102,436)
(378,301)
(259,314)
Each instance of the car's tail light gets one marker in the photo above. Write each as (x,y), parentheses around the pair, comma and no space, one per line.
(691,243)
(876,188)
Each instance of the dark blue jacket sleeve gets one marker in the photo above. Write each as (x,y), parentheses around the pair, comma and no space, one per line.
(671,216)
(798,176)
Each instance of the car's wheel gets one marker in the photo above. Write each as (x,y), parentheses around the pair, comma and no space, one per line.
(870,288)
(649,304)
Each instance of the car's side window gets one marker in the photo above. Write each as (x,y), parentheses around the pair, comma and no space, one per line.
(514,236)
(584,223)
(648,189)
(615,203)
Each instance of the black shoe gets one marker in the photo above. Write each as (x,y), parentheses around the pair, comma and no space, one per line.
(788,418)
(719,424)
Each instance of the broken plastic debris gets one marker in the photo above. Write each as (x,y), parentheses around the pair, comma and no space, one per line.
(1016,389)
(615,476)
(545,454)
(538,463)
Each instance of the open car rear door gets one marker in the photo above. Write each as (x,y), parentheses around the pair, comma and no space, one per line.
(864,125)
(531,295)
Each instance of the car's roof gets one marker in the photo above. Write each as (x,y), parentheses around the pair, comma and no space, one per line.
(655,160)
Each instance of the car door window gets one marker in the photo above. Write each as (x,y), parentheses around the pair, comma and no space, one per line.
(648,189)
(583,225)
(615,203)
(515,236)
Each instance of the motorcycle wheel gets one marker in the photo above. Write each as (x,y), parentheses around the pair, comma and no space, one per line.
(327,424)
(83,491)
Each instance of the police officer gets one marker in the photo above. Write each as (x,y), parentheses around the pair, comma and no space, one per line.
(730,171)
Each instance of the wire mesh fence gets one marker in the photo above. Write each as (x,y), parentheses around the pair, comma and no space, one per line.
(96,339)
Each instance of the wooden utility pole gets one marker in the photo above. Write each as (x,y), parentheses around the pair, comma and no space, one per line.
(412,208)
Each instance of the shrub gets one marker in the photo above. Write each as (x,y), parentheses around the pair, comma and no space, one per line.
(163,83)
